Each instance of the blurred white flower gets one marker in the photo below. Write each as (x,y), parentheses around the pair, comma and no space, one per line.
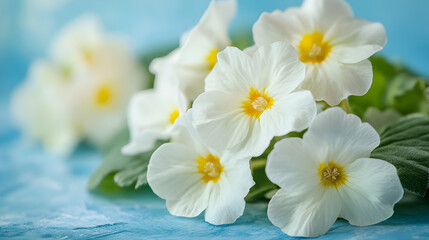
(193,177)
(39,109)
(250,99)
(328,174)
(333,44)
(196,56)
(90,78)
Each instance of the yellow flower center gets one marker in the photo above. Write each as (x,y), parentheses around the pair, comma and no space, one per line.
(174,115)
(332,175)
(88,56)
(104,95)
(212,58)
(313,49)
(210,168)
(257,103)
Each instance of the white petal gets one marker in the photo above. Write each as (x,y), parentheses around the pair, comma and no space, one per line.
(278,68)
(227,197)
(165,70)
(192,203)
(219,121)
(288,26)
(354,40)
(292,166)
(304,214)
(333,81)
(324,13)
(250,50)
(149,117)
(185,133)
(144,141)
(343,135)
(293,112)
(372,188)
(211,32)
(232,73)
(147,108)
(172,171)
(256,141)
(191,81)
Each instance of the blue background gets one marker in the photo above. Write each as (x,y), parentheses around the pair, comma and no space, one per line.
(44,196)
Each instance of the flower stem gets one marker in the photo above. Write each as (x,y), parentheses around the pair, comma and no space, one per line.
(346,106)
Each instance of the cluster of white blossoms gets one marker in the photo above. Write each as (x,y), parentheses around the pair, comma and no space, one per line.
(179,78)
(242,99)
(81,91)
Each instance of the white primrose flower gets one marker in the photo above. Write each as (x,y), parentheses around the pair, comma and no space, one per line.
(90,77)
(328,174)
(333,44)
(151,116)
(250,99)
(192,177)
(196,56)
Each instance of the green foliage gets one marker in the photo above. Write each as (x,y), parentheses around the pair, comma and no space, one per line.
(405,144)
(393,87)
(262,184)
(126,170)
(407,94)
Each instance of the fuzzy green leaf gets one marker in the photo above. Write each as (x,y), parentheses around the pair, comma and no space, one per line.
(393,86)
(407,94)
(405,144)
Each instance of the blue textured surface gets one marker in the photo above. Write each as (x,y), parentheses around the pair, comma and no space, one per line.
(43,196)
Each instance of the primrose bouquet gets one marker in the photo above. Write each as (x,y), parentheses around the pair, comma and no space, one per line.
(305,118)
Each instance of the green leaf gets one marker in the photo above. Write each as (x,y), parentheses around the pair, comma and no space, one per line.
(126,170)
(379,119)
(405,144)
(262,183)
(407,94)
(393,86)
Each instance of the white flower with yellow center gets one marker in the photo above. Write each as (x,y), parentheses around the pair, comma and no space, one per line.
(196,56)
(250,99)
(333,44)
(193,177)
(151,116)
(328,174)
(91,76)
